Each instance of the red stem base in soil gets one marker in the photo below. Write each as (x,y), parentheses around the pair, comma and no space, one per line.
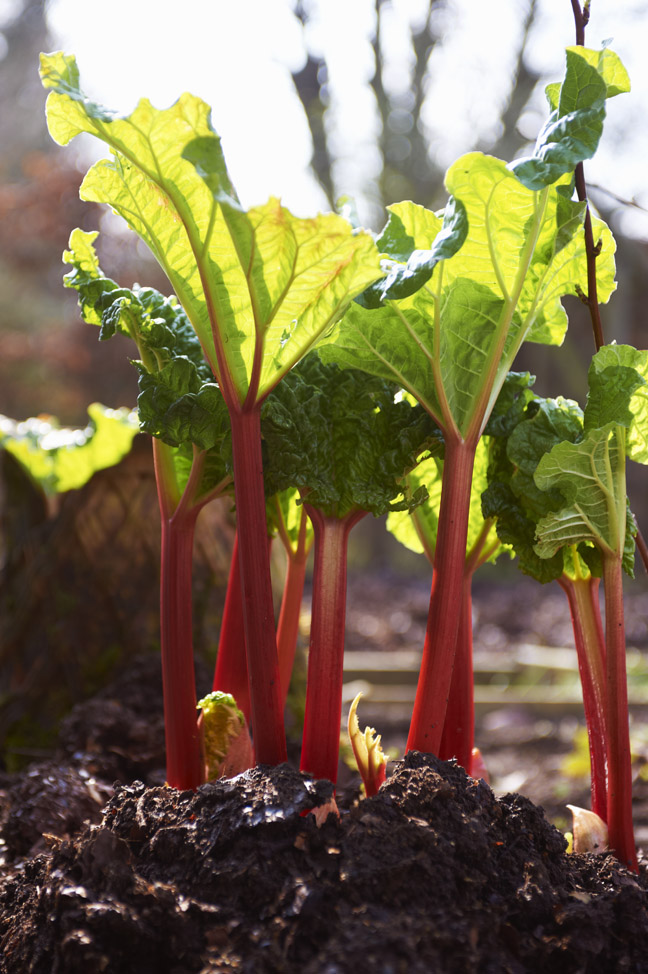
(321,739)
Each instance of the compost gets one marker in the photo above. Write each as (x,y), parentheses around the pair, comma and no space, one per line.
(433,874)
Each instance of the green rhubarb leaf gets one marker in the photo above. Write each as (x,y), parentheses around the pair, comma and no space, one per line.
(452,343)
(547,422)
(609,66)
(522,433)
(176,406)
(591,476)
(179,403)
(339,436)
(258,287)
(618,392)
(573,130)
(157,324)
(61,459)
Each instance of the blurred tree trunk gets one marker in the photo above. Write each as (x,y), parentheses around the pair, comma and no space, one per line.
(22,120)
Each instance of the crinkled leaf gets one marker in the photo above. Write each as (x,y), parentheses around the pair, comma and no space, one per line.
(61,459)
(261,285)
(177,406)
(339,436)
(520,438)
(618,392)
(590,475)
(157,324)
(548,422)
(404,279)
(510,407)
(516,528)
(573,130)
(178,402)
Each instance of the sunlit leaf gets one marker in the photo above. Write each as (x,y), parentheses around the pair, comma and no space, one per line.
(573,130)
(62,459)
(259,287)
(452,343)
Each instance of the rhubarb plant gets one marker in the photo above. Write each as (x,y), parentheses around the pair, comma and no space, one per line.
(459,297)
(259,287)
(181,407)
(591,475)
(346,444)
(520,439)
(557,489)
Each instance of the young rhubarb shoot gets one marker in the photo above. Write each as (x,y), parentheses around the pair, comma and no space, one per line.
(483,289)
(227,746)
(338,436)
(589,831)
(259,288)
(590,474)
(180,406)
(367,751)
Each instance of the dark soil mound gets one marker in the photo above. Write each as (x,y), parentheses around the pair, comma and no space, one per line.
(433,874)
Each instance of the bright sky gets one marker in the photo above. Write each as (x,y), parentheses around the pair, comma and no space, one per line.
(238,57)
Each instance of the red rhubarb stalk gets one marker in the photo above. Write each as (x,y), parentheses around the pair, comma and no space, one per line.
(458,735)
(435,677)
(258,609)
(619,799)
(288,625)
(184,765)
(230,673)
(582,595)
(321,739)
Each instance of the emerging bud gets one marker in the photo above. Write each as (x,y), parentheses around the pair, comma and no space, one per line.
(367,751)
(590,833)
(227,744)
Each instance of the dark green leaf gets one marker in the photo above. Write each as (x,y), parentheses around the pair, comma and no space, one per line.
(402,280)
(339,436)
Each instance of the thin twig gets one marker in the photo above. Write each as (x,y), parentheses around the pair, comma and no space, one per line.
(581,18)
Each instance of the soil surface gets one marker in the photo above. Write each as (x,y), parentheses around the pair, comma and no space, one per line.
(435,873)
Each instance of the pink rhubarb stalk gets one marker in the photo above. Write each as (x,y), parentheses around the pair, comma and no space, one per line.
(258,609)
(458,735)
(582,595)
(288,625)
(619,799)
(230,673)
(444,614)
(321,738)
(184,767)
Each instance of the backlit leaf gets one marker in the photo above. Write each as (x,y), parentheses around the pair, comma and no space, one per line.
(258,287)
